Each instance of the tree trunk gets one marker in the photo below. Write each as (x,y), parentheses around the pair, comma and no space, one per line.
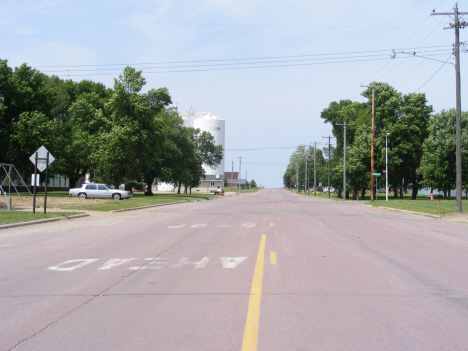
(414,192)
(178,188)
(190,190)
(395,193)
(149,179)
(363,193)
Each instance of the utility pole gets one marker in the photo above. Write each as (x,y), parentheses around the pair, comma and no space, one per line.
(373,86)
(315,172)
(297,176)
(305,173)
(329,143)
(232,174)
(246,178)
(240,163)
(457,25)
(344,158)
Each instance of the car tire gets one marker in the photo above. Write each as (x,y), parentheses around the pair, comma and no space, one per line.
(82,196)
(116,196)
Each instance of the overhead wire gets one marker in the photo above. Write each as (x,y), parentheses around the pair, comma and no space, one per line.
(420,26)
(434,73)
(241,65)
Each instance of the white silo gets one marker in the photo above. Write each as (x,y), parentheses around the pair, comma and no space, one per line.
(215,126)
(186,121)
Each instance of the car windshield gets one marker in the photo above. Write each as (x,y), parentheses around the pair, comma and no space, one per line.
(109,186)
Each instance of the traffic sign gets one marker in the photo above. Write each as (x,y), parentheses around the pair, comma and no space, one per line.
(41,158)
(376,174)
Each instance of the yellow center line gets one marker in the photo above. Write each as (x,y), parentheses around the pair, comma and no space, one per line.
(253,312)
(272,224)
(273,259)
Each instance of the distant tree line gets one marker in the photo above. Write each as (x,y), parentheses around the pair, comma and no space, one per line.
(118,136)
(421,145)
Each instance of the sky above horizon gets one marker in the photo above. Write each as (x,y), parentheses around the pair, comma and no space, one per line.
(268,68)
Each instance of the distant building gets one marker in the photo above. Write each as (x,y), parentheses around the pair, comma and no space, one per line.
(232,178)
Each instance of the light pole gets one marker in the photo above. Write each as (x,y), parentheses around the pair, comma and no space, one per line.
(386,167)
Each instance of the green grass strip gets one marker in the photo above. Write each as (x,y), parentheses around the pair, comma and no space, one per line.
(7,217)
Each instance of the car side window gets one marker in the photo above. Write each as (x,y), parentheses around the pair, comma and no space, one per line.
(102,187)
(92,187)
(87,186)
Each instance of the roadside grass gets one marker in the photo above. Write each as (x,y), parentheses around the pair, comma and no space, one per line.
(422,203)
(251,190)
(61,200)
(7,217)
(137,200)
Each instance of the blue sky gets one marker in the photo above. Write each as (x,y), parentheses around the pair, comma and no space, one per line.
(267,108)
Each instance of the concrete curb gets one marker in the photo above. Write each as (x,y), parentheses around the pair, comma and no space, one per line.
(406,211)
(40,221)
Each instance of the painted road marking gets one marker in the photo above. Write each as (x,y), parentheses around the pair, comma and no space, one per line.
(114,262)
(252,322)
(199,264)
(273,259)
(83,262)
(154,263)
(198,225)
(272,224)
(232,262)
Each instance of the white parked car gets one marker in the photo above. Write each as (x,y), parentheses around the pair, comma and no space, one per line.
(99,191)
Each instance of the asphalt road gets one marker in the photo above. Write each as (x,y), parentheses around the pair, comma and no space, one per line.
(263,271)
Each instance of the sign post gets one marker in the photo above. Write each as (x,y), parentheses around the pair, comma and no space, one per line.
(41,159)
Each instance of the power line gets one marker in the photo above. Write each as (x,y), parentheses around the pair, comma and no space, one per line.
(383,51)
(434,74)
(204,24)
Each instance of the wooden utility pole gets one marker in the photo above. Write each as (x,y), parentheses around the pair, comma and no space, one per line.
(297,176)
(457,25)
(373,86)
(232,174)
(240,163)
(344,158)
(315,173)
(305,173)
(329,151)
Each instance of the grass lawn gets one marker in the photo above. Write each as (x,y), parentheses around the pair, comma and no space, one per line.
(137,200)
(61,200)
(7,217)
(422,203)
(251,190)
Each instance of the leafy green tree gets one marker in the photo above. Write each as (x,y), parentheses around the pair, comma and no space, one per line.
(126,145)
(253,184)
(438,164)
(26,140)
(358,161)
(22,90)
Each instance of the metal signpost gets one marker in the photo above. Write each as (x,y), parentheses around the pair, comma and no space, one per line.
(41,159)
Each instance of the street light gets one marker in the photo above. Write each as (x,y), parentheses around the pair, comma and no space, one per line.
(386,167)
